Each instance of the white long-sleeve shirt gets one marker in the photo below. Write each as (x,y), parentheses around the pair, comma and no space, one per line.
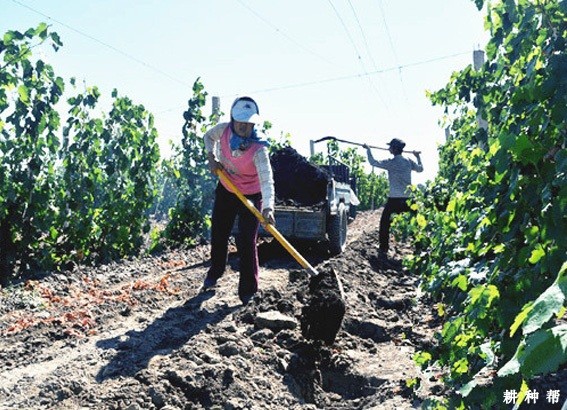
(261,161)
(399,173)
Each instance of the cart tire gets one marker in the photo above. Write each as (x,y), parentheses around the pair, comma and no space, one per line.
(352,211)
(337,230)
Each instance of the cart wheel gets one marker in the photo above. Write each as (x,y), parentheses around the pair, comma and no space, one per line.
(337,230)
(352,211)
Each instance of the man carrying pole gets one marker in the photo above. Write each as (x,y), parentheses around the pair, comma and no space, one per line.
(399,176)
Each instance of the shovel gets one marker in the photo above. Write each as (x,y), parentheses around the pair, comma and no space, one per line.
(274,232)
(360,145)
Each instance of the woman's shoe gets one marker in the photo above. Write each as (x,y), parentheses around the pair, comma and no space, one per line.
(246,299)
(209,283)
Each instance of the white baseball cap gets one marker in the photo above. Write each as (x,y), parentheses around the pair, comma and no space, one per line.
(245,111)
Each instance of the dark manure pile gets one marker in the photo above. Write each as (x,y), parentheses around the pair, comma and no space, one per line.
(298,182)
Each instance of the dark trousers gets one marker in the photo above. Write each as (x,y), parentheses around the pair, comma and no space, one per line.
(393,206)
(226,207)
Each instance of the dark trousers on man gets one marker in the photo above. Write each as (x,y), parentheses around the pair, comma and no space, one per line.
(393,206)
(226,207)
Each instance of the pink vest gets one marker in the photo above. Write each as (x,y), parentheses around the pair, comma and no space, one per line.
(241,170)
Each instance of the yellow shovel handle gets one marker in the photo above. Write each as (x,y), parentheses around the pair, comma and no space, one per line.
(269,227)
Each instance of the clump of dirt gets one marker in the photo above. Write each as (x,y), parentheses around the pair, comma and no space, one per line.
(297,182)
(140,335)
(322,317)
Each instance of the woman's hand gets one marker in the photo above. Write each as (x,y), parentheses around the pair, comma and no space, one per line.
(268,215)
(214,165)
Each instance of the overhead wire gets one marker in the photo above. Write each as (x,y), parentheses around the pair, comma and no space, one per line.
(348,77)
(283,33)
(277,88)
(347,31)
(341,78)
(364,38)
(391,45)
(127,55)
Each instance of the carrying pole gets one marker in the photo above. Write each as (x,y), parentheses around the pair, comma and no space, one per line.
(359,144)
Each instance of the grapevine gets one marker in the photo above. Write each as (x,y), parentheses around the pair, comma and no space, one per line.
(490,229)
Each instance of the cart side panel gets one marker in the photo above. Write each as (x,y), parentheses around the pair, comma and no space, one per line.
(310,224)
(300,223)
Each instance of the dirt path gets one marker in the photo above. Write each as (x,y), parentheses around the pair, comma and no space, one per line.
(139,335)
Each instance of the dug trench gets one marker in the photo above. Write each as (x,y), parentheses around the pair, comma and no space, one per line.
(139,334)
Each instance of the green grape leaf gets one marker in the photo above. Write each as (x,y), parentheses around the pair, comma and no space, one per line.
(541,352)
(549,303)
(520,318)
(537,254)
(23,92)
(546,305)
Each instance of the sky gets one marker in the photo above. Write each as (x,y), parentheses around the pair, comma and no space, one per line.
(357,70)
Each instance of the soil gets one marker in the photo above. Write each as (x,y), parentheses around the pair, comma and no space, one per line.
(139,334)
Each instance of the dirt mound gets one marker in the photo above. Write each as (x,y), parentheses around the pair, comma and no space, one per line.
(297,181)
(140,335)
